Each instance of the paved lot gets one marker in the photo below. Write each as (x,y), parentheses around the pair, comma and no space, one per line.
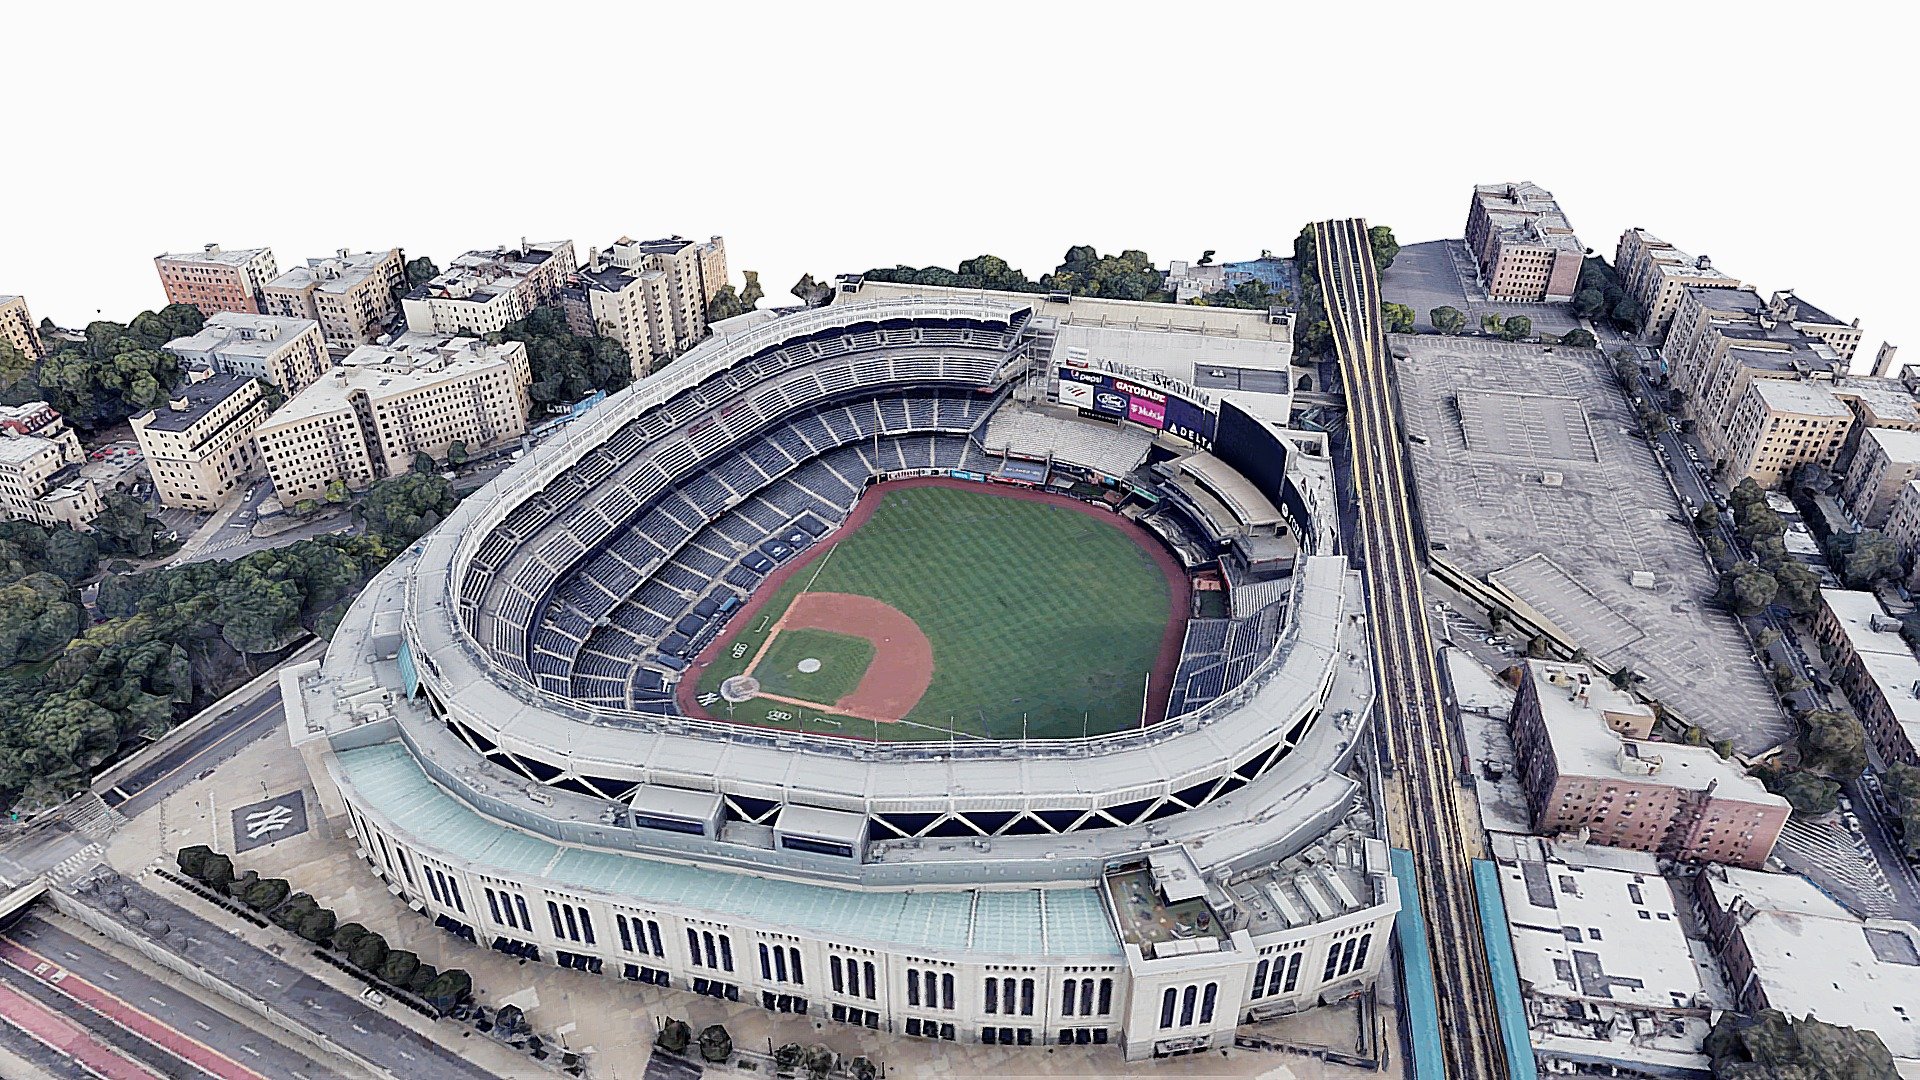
(1440,272)
(1569,534)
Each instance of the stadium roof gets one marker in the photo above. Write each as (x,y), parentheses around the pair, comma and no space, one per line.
(1059,922)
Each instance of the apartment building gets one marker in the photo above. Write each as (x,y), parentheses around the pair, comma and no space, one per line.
(1873,665)
(40,469)
(650,296)
(1721,340)
(369,416)
(1784,944)
(482,291)
(1903,521)
(288,352)
(1780,425)
(17,329)
(354,297)
(214,279)
(1656,274)
(1587,769)
(199,447)
(1886,460)
(1525,248)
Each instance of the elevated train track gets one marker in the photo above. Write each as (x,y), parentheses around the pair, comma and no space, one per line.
(1426,810)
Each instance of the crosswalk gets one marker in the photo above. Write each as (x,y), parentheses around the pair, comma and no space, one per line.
(77,863)
(1833,859)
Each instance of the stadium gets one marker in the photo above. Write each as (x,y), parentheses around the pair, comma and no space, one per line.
(965,665)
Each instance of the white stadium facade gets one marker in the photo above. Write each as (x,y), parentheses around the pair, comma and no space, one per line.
(495,726)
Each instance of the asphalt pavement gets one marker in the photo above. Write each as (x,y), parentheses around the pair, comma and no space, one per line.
(155,997)
(196,755)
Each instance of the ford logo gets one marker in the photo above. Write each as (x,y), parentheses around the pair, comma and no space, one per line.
(1110,401)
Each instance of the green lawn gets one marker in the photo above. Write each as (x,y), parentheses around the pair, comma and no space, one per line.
(842,659)
(1031,609)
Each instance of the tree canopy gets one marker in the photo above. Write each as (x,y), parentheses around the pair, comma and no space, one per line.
(421,270)
(1083,271)
(565,366)
(1579,338)
(119,369)
(1601,295)
(1385,247)
(1398,317)
(1774,1046)
(401,509)
(726,303)
(1447,319)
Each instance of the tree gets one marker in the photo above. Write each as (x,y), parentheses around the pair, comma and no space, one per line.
(1808,793)
(565,366)
(193,859)
(1398,317)
(1448,320)
(789,1055)
(716,1045)
(117,370)
(71,554)
(421,270)
(1129,275)
(674,1036)
(265,894)
(337,492)
(812,293)
(1799,586)
(1748,589)
(317,927)
(397,967)
(423,463)
(16,369)
(1707,518)
(456,453)
(1516,328)
(449,988)
(1385,247)
(1874,558)
(216,871)
(1773,1046)
(1627,314)
(38,615)
(1589,303)
(368,952)
(123,527)
(1834,744)
(1579,338)
(402,509)
(347,935)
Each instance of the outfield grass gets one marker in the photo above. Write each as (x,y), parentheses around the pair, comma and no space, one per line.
(1031,609)
(843,660)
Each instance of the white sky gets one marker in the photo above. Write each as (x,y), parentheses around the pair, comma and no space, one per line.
(830,137)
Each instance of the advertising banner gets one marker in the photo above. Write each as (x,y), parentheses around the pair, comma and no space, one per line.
(1150,406)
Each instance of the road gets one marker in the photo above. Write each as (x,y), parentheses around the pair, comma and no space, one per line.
(1424,793)
(142,1016)
(198,754)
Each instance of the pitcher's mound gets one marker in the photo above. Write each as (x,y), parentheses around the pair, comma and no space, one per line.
(808,666)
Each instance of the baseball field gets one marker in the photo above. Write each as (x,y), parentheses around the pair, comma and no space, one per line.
(944,607)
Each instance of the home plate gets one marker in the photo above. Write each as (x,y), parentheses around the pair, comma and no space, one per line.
(808,666)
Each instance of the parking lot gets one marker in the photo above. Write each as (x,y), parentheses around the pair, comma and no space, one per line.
(1441,273)
(1564,521)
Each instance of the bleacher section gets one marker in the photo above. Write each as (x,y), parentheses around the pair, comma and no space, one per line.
(647,600)
(629,506)
(1037,432)
(1219,654)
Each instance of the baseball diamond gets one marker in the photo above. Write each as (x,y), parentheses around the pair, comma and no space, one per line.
(992,612)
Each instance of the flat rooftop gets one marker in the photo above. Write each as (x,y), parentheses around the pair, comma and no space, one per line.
(1899,446)
(336,273)
(217,255)
(1092,312)
(384,371)
(1525,212)
(241,334)
(188,405)
(1883,400)
(1583,745)
(1522,502)
(1814,956)
(1599,934)
(20,449)
(1149,919)
(1801,398)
